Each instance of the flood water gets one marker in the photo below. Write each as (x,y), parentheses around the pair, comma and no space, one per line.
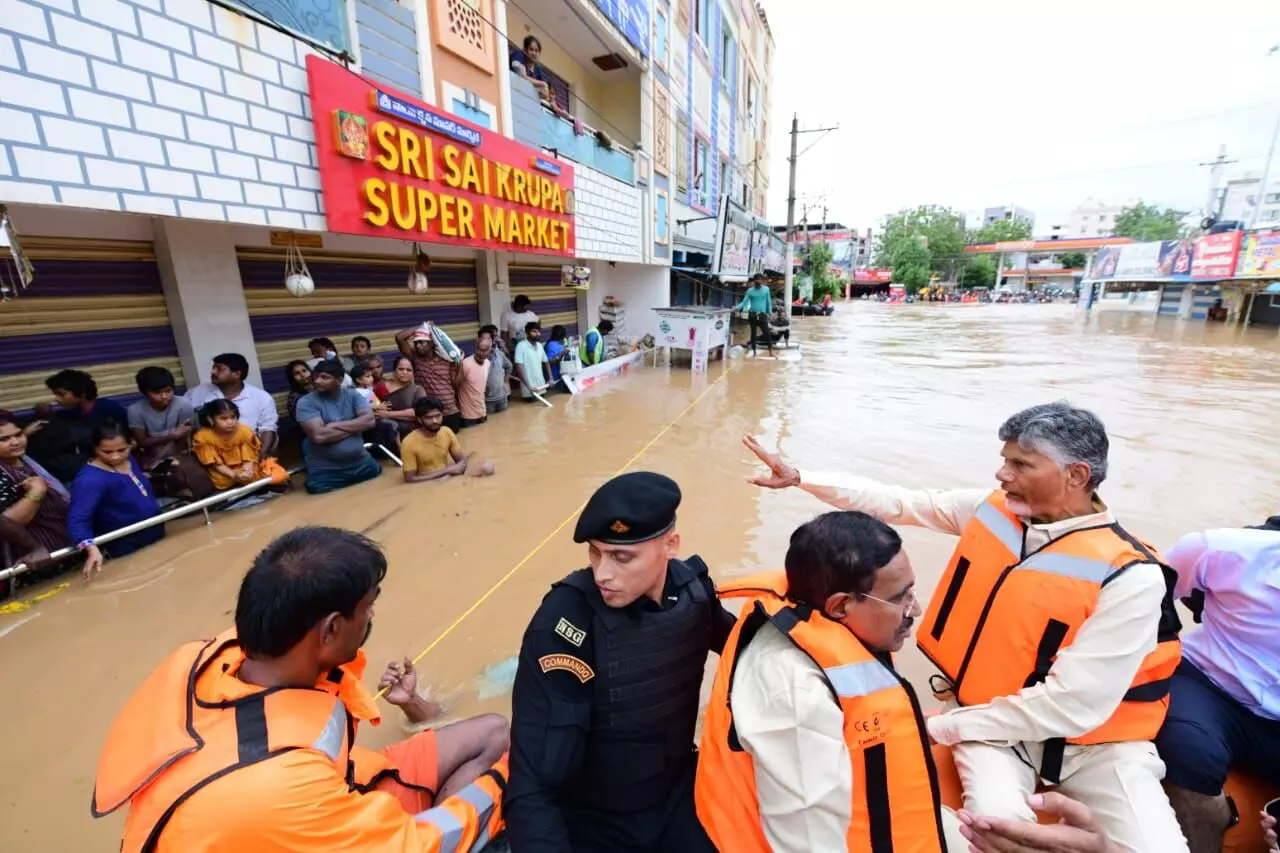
(906,394)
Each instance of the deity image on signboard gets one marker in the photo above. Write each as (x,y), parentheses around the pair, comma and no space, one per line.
(351,132)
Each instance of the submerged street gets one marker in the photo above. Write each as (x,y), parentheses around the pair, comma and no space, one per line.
(904,394)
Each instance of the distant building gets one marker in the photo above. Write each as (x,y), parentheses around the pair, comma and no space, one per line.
(850,248)
(1241,198)
(1009,213)
(1092,218)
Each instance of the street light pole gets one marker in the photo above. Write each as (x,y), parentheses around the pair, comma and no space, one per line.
(1266,167)
(788,275)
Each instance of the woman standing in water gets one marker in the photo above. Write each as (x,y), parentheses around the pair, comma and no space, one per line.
(109,493)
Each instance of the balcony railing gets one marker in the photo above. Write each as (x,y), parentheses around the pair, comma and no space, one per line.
(538,126)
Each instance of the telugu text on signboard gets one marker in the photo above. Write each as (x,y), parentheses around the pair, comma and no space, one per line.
(393,167)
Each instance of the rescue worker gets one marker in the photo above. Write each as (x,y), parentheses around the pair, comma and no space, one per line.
(808,671)
(592,349)
(245,742)
(1053,626)
(606,691)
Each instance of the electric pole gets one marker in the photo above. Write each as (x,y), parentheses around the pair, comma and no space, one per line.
(788,293)
(1213,208)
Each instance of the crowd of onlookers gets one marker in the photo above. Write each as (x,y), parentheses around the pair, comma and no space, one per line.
(89,466)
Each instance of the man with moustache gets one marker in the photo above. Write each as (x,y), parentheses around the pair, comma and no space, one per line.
(606,691)
(246,741)
(825,630)
(1053,627)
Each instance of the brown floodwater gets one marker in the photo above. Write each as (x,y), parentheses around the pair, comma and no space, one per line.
(907,394)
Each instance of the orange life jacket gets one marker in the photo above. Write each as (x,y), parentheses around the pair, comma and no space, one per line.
(896,804)
(193,721)
(1000,616)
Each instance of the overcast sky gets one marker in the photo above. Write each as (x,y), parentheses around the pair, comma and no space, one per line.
(988,102)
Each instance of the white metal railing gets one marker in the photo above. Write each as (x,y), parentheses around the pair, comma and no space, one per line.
(173,514)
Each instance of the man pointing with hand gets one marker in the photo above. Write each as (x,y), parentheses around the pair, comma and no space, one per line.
(1053,628)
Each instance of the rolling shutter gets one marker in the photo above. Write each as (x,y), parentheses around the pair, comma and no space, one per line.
(355,295)
(95,305)
(554,304)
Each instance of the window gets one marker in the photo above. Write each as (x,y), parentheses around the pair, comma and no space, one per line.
(753,103)
(661,130)
(682,157)
(702,19)
(471,114)
(726,179)
(728,63)
(1270,215)
(324,21)
(661,218)
(701,177)
(660,38)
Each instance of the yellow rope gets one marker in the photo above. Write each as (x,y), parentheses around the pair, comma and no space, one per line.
(570,517)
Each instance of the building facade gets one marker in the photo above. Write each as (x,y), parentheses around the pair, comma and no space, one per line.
(1092,218)
(1240,201)
(712,94)
(161,158)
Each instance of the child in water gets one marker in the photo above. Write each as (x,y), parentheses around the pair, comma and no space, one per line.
(230,450)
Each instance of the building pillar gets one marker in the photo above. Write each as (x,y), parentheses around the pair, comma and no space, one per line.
(1186,302)
(202,289)
(492,289)
(426,46)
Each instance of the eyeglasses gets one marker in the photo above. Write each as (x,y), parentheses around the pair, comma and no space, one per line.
(907,604)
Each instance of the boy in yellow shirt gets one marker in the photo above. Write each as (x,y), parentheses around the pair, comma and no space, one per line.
(432,451)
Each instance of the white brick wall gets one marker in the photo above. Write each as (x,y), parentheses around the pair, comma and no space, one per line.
(167,107)
(607,217)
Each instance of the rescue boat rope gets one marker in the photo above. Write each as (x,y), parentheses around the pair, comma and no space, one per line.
(561,526)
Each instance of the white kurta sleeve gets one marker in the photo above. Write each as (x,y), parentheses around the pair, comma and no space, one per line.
(944,510)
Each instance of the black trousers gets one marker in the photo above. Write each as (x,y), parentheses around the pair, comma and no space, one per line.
(671,827)
(759,323)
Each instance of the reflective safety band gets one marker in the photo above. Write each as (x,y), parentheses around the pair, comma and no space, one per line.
(1152,691)
(451,826)
(1066,565)
(334,733)
(859,679)
(1001,527)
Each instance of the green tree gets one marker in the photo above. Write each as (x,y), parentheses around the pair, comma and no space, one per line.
(1073,260)
(929,236)
(1002,231)
(978,272)
(1147,222)
(818,261)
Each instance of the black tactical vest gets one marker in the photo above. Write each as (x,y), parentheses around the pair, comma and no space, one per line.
(649,667)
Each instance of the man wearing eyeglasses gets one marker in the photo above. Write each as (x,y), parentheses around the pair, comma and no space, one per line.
(806,700)
(1053,628)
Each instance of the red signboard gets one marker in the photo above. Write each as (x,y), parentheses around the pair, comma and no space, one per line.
(873,275)
(828,236)
(391,166)
(1215,256)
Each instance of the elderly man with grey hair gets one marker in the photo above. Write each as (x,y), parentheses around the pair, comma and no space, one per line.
(1053,627)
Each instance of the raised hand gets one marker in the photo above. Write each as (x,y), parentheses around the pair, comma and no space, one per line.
(781,475)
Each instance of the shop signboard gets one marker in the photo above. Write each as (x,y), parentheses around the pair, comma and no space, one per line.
(392,166)
(733,254)
(824,236)
(1128,262)
(873,275)
(1261,258)
(775,256)
(1215,256)
(631,17)
(760,234)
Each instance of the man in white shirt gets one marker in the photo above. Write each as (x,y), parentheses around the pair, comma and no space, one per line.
(257,407)
(515,321)
(806,699)
(1082,718)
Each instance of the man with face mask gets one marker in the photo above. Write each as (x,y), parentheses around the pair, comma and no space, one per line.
(246,741)
(1054,628)
(606,693)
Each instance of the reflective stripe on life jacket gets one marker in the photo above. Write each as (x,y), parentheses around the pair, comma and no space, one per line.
(999,617)
(193,722)
(896,804)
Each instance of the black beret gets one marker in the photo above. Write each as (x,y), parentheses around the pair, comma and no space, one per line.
(632,508)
